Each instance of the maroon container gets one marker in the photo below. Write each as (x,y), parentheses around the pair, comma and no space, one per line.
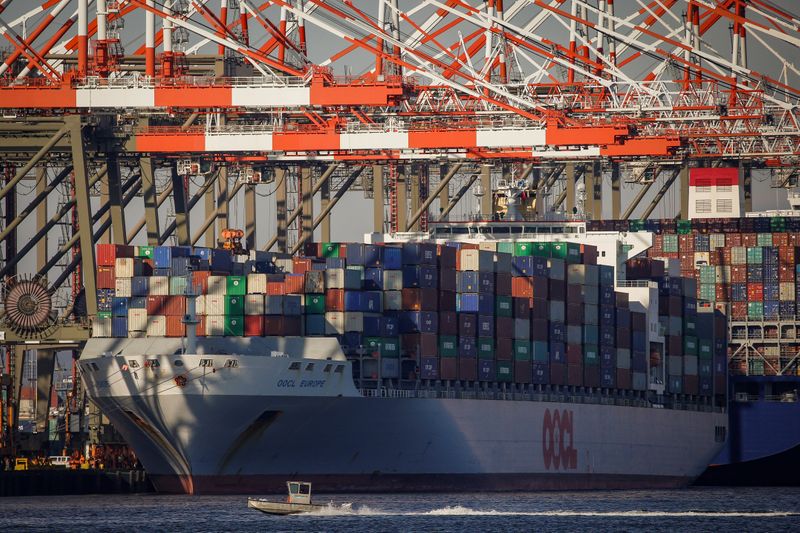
(447,301)
(334,300)
(175,326)
(504,349)
(106,278)
(574,375)
(420,299)
(107,253)
(312,249)
(691,385)
(574,354)
(522,308)
(589,254)
(674,345)
(623,338)
(417,345)
(558,373)
(574,294)
(574,314)
(175,306)
(504,327)
(502,283)
(540,329)
(448,323)
(447,280)
(156,305)
(540,308)
(448,368)
(622,300)
(557,290)
(591,375)
(447,256)
(522,372)
(467,368)
(639,320)
(670,305)
(467,325)
(624,378)
(292,326)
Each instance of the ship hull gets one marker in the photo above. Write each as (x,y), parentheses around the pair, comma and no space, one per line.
(210,437)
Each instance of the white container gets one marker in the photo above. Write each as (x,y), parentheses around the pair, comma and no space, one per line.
(215,325)
(354,321)
(215,304)
(254,304)
(701,258)
(489,246)
(393,280)
(522,329)
(156,326)
(334,278)
(159,286)
(217,285)
(257,283)
(200,305)
(469,260)
(787,291)
(284,265)
(137,320)
(101,327)
(123,267)
(334,323)
(137,334)
(623,358)
(122,287)
(273,304)
(392,301)
(716,240)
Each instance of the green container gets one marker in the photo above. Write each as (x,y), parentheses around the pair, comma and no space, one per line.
(372,346)
(234,305)
(177,285)
(708,274)
(755,255)
(390,347)
(764,239)
(234,325)
(315,304)
(636,225)
(689,326)
(505,371)
(670,243)
(574,253)
(236,285)
(522,350)
(542,249)
(755,310)
(504,306)
(689,345)
(505,247)
(485,348)
(540,352)
(448,346)
(777,224)
(591,334)
(558,250)
(704,349)
(708,292)
(522,248)
(684,227)
(104,314)
(591,355)
(144,251)
(330,249)
(756,367)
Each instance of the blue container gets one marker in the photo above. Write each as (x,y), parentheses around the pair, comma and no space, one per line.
(485,326)
(373,279)
(371,302)
(119,326)
(769,255)
(221,261)
(639,361)
(558,352)
(419,253)
(182,266)
(262,267)
(522,265)
(739,292)
(591,334)
(138,302)
(390,326)
(468,302)
(162,272)
(787,309)
(557,331)
(420,276)
(639,341)
(119,307)
(352,300)
(335,262)
(486,370)
(755,273)
(368,255)
(467,282)
(202,252)
(772,291)
(608,377)
(607,296)
(372,326)
(608,357)
(540,267)
(771,309)
(320,266)
(608,336)
(350,342)
(486,304)
(467,347)
(315,325)
(419,322)
(540,373)
(606,275)
(162,255)
(293,304)
(392,258)
(770,273)
(607,315)
(486,282)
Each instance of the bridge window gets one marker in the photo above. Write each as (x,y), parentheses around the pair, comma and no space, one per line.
(206,363)
(294,366)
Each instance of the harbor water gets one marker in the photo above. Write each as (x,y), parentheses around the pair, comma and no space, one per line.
(699,509)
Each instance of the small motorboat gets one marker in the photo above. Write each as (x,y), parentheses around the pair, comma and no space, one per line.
(298,501)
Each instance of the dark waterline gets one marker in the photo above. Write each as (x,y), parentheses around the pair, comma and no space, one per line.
(699,509)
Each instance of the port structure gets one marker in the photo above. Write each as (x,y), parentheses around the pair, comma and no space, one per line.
(122,138)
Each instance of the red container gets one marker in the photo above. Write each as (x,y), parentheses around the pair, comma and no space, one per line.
(558,373)
(780,239)
(201,326)
(624,378)
(200,281)
(540,308)
(690,385)
(574,354)
(276,285)
(557,290)
(574,294)
(623,338)
(522,372)
(416,345)
(574,314)
(280,325)
(504,327)
(301,265)
(755,292)
(467,368)
(591,375)
(574,375)
(589,254)
(504,349)
(420,299)
(156,305)
(175,326)
(540,329)
(334,300)
(253,326)
(739,274)
(447,300)
(175,305)
(107,253)
(448,368)
(722,292)
(106,278)
(294,284)
(522,287)
(749,239)
(502,284)
(739,309)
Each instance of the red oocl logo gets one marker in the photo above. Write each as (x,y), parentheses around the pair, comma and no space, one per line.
(558,446)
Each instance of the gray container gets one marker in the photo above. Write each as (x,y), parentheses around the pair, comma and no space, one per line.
(591,314)
(557,270)
(675,365)
(557,311)
(574,334)
(273,304)
(591,294)
(689,365)
(623,358)
(522,329)
(639,381)
(502,262)
(390,368)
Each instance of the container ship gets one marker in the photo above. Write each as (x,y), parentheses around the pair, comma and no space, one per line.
(477,356)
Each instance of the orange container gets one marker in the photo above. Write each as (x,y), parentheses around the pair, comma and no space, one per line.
(105,277)
(175,326)
(522,287)
(334,300)
(200,281)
